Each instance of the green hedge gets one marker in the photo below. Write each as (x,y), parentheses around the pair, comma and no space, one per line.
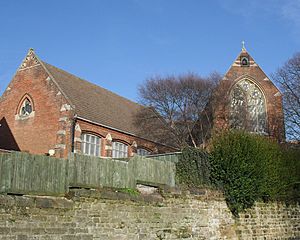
(290,175)
(250,167)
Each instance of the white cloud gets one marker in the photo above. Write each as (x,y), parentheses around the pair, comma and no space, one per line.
(287,11)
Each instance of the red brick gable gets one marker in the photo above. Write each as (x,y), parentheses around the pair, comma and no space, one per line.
(252,72)
(63,107)
(42,130)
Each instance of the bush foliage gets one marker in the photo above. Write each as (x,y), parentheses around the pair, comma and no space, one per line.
(192,168)
(249,167)
(290,175)
(246,167)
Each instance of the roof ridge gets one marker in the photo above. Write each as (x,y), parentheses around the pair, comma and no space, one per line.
(81,79)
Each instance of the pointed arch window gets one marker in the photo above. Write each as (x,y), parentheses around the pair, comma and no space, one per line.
(25,109)
(248,107)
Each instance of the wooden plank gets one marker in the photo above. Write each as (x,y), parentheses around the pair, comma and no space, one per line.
(2,186)
(8,171)
(24,173)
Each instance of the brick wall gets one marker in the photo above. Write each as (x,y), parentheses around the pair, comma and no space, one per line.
(272,220)
(42,131)
(50,126)
(113,215)
(108,135)
(275,121)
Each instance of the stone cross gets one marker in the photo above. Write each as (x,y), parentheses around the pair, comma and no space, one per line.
(243,45)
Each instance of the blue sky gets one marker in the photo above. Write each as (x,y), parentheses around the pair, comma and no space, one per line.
(117,44)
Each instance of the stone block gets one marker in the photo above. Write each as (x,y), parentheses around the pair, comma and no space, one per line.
(4,231)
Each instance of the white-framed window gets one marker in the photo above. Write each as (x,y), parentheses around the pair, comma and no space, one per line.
(90,144)
(143,152)
(119,150)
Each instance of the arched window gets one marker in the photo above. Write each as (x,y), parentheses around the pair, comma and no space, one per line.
(247,107)
(143,152)
(90,144)
(26,108)
(119,150)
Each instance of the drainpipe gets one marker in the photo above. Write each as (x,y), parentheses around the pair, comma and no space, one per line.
(73,133)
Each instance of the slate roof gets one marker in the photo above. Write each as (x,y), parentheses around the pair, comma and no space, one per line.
(95,103)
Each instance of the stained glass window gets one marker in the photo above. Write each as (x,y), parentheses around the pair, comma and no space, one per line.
(247,107)
(26,108)
(245,61)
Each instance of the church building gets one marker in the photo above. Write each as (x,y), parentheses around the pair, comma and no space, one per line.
(45,110)
(247,99)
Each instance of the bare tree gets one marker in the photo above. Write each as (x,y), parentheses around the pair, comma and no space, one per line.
(177,110)
(288,77)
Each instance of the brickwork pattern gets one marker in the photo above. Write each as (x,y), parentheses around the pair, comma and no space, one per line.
(275,221)
(51,125)
(91,215)
(37,134)
(116,136)
(275,121)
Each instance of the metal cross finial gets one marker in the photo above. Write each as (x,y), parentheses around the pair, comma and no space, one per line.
(243,46)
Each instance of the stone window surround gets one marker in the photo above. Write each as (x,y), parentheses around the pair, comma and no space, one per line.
(252,81)
(18,115)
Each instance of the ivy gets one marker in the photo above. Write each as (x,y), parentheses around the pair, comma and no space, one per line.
(193,168)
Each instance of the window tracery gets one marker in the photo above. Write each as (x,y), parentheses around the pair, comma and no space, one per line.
(247,107)
(26,108)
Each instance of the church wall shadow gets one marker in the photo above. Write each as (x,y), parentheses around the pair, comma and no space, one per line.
(7,139)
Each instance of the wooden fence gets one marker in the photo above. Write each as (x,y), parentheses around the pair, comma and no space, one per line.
(154,171)
(94,172)
(172,157)
(23,173)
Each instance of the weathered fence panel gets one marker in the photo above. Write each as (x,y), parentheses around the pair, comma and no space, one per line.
(23,173)
(171,157)
(95,172)
(152,171)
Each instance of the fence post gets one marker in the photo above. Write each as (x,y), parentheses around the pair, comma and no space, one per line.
(71,176)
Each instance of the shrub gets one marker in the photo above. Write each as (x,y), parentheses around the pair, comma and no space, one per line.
(290,175)
(192,168)
(246,167)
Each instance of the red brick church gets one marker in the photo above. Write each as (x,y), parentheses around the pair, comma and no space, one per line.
(46,110)
(247,99)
